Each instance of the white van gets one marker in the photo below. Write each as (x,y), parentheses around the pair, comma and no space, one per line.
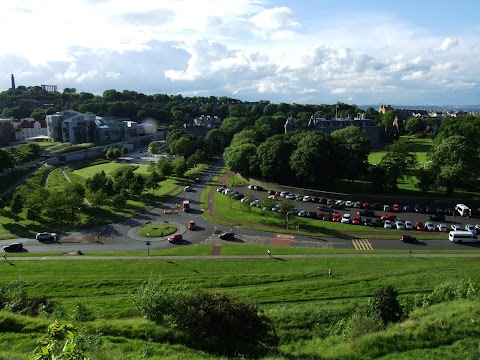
(462,236)
(463,209)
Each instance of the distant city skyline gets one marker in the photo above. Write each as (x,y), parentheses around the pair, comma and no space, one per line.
(306,52)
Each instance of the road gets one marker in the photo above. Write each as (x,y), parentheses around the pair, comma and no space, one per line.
(124,236)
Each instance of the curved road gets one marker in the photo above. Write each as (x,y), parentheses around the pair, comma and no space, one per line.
(123,236)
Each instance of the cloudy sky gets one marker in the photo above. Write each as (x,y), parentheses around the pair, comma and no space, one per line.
(294,51)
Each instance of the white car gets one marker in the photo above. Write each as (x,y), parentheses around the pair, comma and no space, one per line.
(400,224)
(245,199)
(386,207)
(477,227)
(221,189)
(408,225)
(255,203)
(429,226)
(357,205)
(273,197)
(346,219)
(46,236)
(291,196)
(340,203)
(348,204)
(307,198)
(442,227)
(455,227)
(471,228)
(284,194)
(388,224)
(302,213)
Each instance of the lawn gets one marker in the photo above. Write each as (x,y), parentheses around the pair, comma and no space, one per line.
(296,293)
(419,146)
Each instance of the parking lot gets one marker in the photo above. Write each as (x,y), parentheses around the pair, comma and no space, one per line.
(405,210)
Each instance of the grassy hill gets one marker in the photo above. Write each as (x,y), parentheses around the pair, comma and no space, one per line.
(302,301)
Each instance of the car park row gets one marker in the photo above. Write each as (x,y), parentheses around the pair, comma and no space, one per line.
(329,210)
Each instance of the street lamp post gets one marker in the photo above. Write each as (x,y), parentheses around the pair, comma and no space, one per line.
(148,243)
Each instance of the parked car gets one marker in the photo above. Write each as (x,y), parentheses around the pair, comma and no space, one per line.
(455,227)
(407,208)
(358,205)
(442,227)
(336,217)
(327,217)
(419,208)
(284,194)
(386,207)
(227,236)
(302,213)
(408,225)
(368,222)
(175,238)
(273,197)
(429,226)
(346,218)
(348,204)
(366,212)
(13,247)
(330,201)
(323,201)
(357,220)
(391,217)
(291,196)
(400,224)
(471,228)
(436,217)
(307,198)
(408,239)
(378,223)
(340,203)
(325,208)
(271,192)
(187,189)
(192,225)
(220,189)
(45,236)
(396,207)
(477,227)
(419,226)
(388,224)
(255,202)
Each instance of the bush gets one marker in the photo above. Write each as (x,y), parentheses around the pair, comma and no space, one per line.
(156,303)
(386,305)
(222,316)
(361,323)
(82,312)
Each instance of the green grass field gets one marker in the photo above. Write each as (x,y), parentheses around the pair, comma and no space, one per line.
(295,293)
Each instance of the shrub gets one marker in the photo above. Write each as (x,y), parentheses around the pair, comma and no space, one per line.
(361,323)
(386,305)
(82,312)
(156,303)
(464,289)
(223,316)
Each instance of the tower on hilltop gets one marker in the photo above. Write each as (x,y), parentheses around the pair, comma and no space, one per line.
(13,82)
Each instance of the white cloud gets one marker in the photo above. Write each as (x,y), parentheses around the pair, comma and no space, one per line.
(447,44)
(252,48)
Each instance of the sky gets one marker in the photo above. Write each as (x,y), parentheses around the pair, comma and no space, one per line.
(304,51)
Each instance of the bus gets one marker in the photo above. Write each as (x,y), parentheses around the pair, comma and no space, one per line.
(462,236)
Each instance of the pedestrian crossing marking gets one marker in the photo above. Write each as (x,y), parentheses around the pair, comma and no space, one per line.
(362,244)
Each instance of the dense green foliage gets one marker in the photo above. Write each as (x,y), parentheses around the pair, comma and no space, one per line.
(14,156)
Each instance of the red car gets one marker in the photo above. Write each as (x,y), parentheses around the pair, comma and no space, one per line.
(391,217)
(357,220)
(175,238)
(337,217)
(396,207)
(320,216)
(327,217)
(419,226)
(192,225)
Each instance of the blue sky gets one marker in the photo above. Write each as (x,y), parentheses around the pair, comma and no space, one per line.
(317,52)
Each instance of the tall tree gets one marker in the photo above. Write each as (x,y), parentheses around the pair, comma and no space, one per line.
(399,162)
(456,163)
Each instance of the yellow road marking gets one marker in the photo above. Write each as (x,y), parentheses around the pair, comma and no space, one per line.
(362,244)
